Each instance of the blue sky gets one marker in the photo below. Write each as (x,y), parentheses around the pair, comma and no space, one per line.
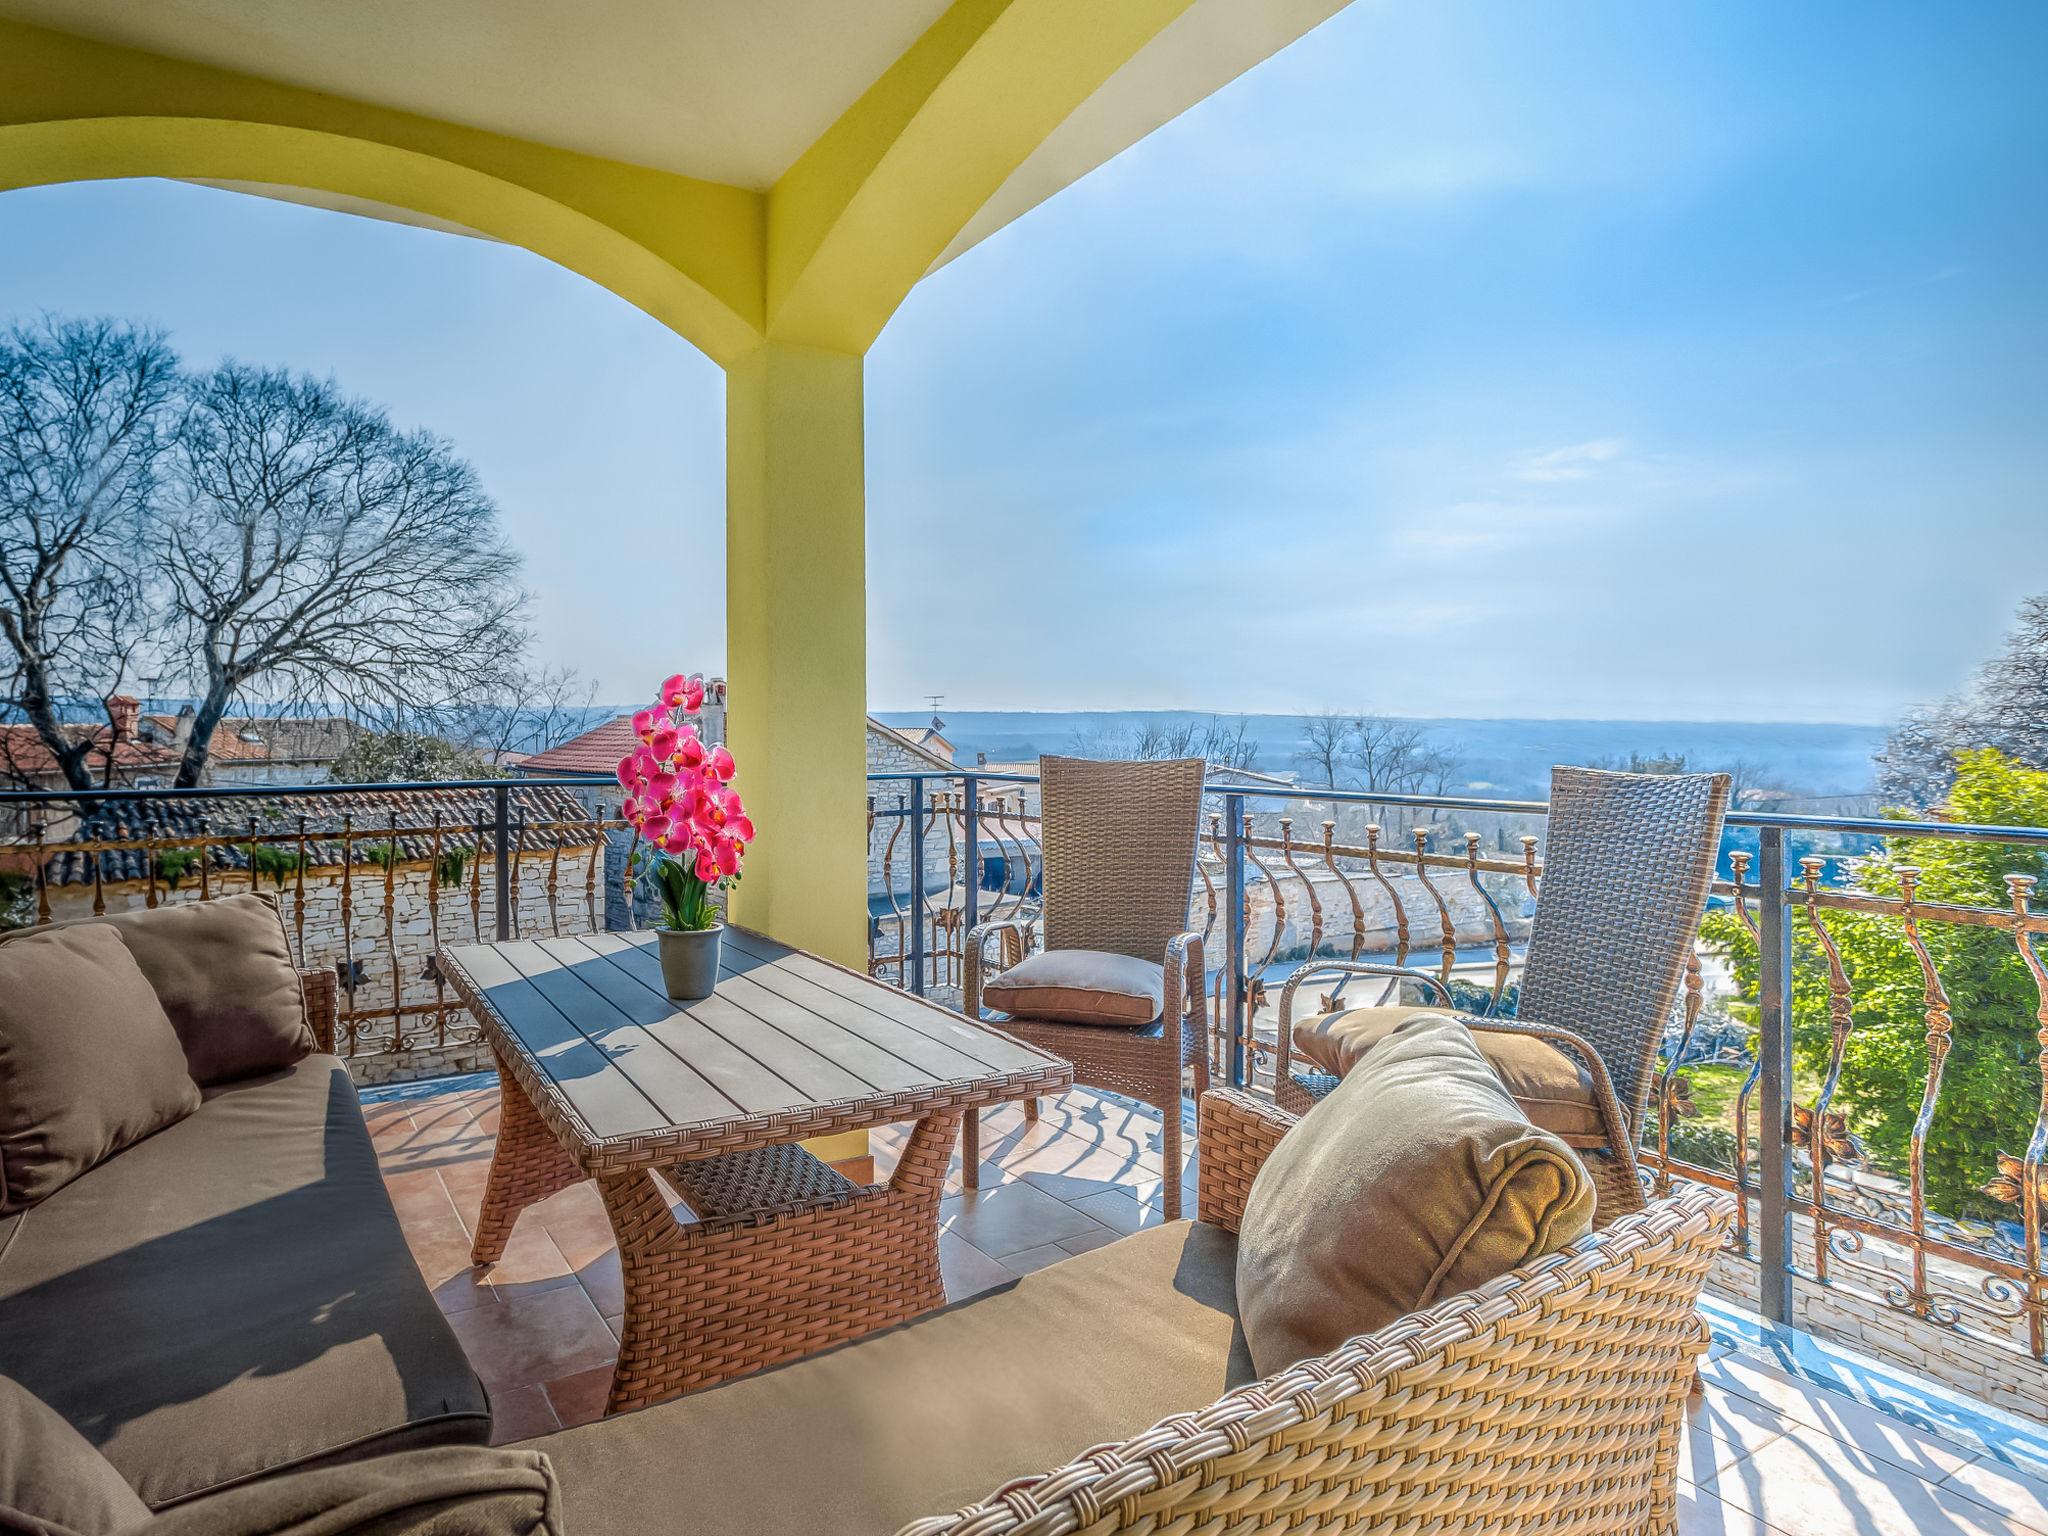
(1675,361)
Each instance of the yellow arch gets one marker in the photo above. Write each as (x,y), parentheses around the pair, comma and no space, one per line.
(687,252)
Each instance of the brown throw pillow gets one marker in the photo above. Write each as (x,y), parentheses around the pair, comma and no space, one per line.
(224,973)
(455,1490)
(51,1479)
(1416,1179)
(89,1064)
(1080,986)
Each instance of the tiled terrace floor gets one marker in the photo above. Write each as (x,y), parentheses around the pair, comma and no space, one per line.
(1769,1454)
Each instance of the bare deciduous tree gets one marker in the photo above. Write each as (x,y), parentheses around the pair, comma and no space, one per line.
(320,555)
(1325,739)
(2006,707)
(533,709)
(82,414)
(1218,744)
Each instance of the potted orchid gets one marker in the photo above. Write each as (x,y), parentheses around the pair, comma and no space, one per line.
(682,806)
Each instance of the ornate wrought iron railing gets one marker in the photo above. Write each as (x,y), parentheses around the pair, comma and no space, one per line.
(370,879)
(1456,901)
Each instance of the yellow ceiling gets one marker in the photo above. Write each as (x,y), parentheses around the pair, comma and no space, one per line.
(722,90)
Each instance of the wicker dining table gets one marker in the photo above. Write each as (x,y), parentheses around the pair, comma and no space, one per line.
(773,1253)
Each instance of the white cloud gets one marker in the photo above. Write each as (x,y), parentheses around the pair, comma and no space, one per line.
(1575,461)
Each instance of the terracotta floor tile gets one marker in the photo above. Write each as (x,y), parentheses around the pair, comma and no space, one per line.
(441,1249)
(1101,1237)
(605,1283)
(2021,1496)
(1119,1209)
(535,1338)
(419,1194)
(1810,1484)
(1011,1217)
(520,1413)
(1701,1514)
(581,1233)
(1721,1428)
(531,1263)
(967,1270)
(1034,1258)
(1841,1418)
(579,1399)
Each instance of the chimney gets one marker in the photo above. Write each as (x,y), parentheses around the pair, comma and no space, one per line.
(125,715)
(181,731)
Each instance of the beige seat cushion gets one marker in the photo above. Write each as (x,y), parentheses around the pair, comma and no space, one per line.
(1417,1178)
(51,1479)
(1553,1089)
(89,1064)
(930,1416)
(224,973)
(1081,986)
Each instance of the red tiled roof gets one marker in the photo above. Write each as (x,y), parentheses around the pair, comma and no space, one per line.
(596,751)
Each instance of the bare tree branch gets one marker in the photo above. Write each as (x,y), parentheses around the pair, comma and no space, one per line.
(322,556)
(83,409)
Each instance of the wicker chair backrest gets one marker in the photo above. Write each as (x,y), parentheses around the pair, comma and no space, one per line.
(1627,862)
(1118,840)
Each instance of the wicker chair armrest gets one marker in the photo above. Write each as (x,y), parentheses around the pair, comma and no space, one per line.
(1016,933)
(320,989)
(1235,1133)
(1342,968)
(1364,1427)
(1187,980)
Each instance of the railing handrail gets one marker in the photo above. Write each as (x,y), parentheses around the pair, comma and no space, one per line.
(1875,826)
(274,791)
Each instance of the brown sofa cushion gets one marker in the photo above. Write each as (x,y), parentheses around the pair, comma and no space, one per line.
(51,1480)
(1553,1089)
(929,1416)
(1081,986)
(458,1490)
(88,1062)
(233,1297)
(1417,1178)
(224,973)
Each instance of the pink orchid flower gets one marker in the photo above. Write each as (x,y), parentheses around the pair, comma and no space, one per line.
(663,743)
(643,724)
(707,868)
(721,764)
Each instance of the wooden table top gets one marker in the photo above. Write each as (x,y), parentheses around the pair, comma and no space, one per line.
(789,1046)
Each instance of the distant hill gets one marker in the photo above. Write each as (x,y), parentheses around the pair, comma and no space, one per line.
(1507,758)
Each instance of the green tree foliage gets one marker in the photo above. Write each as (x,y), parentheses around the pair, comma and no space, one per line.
(1991,1084)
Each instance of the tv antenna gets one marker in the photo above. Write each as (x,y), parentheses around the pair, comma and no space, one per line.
(936,699)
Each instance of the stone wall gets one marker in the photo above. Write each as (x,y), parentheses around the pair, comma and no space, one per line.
(381,948)
(1985,1358)
(890,866)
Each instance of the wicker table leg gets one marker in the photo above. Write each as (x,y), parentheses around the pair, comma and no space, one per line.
(710,1300)
(528,1164)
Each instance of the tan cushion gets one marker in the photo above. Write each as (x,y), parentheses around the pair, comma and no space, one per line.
(89,1064)
(1081,986)
(932,1415)
(224,973)
(461,1490)
(51,1479)
(233,1297)
(1553,1089)
(1416,1179)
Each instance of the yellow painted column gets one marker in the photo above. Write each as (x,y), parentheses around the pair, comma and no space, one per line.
(796,650)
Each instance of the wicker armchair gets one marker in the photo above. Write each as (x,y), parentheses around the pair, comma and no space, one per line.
(1626,870)
(1118,840)
(321,989)
(1552,1398)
